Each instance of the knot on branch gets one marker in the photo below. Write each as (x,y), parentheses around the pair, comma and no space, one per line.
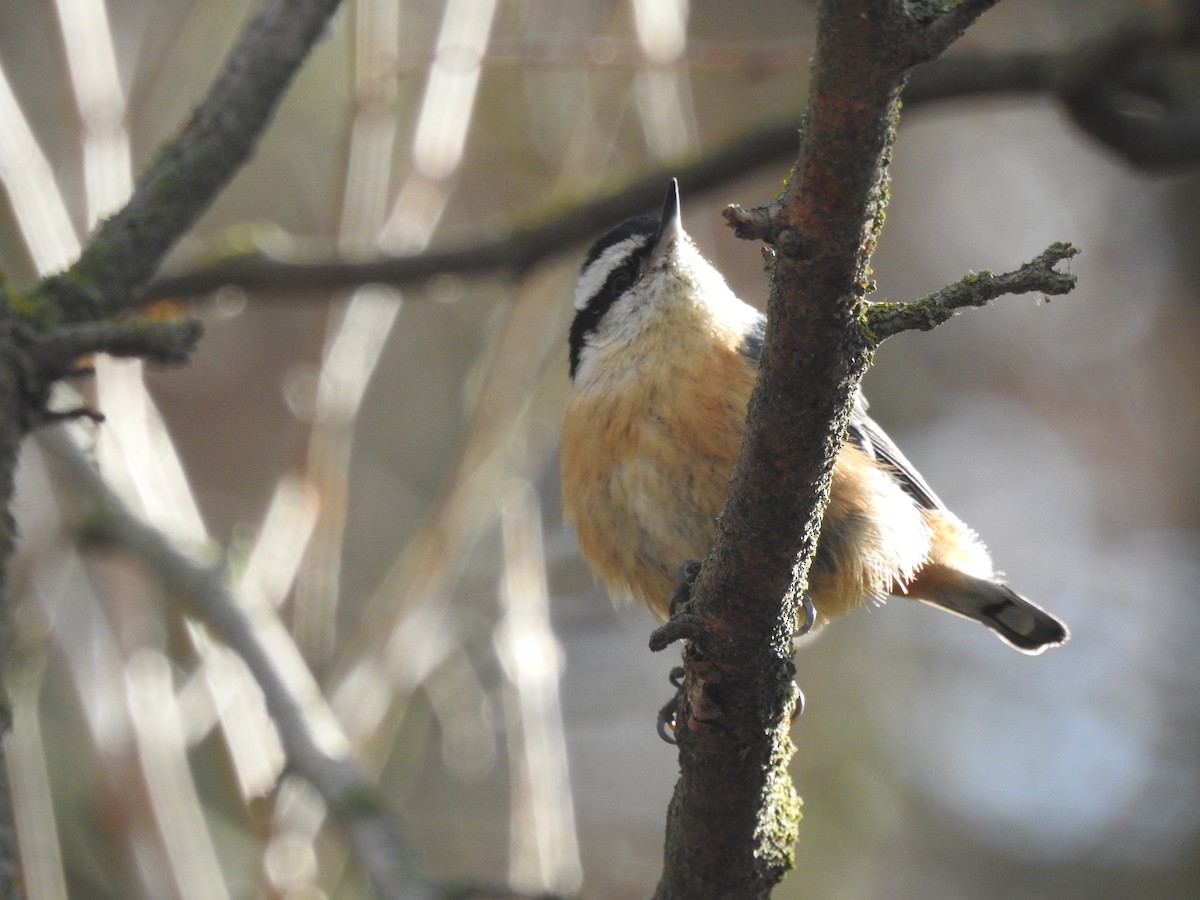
(977,289)
(166,342)
(683,626)
(44,353)
(766,224)
(750,224)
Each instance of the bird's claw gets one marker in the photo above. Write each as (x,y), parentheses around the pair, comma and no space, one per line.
(810,617)
(666,721)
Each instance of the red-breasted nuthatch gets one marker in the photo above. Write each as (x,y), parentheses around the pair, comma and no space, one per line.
(662,360)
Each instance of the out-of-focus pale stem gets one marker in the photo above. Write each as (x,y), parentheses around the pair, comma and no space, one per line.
(33,804)
(96,84)
(404,626)
(443,120)
(543,848)
(366,321)
(37,203)
(358,328)
(359,333)
(439,138)
(662,88)
(162,751)
(310,735)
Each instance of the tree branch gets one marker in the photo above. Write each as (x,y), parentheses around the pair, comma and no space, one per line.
(167,342)
(886,319)
(545,233)
(733,819)
(1129,92)
(1088,81)
(220,136)
(371,829)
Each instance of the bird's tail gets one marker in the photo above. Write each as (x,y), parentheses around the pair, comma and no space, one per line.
(1015,620)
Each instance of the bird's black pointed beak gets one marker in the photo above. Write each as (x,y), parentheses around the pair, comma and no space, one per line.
(670,224)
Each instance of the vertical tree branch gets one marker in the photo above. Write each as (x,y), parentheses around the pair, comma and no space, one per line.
(10,445)
(733,819)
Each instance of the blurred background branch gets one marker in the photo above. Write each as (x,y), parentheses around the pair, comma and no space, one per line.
(128,247)
(311,739)
(1126,90)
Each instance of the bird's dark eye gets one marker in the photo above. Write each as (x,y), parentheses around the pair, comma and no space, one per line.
(621,281)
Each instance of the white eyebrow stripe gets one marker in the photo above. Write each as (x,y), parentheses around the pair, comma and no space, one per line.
(593,277)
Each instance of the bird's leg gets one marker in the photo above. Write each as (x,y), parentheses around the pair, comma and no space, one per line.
(682,595)
(681,624)
(677,609)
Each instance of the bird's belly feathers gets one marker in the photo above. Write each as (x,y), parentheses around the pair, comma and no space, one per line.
(646,469)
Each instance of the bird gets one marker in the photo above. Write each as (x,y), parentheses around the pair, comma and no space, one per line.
(662,359)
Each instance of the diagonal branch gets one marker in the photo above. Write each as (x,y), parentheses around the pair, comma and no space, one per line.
(221,135)
(542,234)
(371,828)
(936,34)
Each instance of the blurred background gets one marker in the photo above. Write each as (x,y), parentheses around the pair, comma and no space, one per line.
(378,470)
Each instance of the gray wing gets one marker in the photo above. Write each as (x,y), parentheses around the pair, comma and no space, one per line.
(863,432)
(866,434)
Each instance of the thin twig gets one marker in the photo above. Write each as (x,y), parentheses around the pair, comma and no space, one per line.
(1037,275)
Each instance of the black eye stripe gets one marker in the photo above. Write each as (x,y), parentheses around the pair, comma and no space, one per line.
(619,280)
(582,325)
(588,319)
